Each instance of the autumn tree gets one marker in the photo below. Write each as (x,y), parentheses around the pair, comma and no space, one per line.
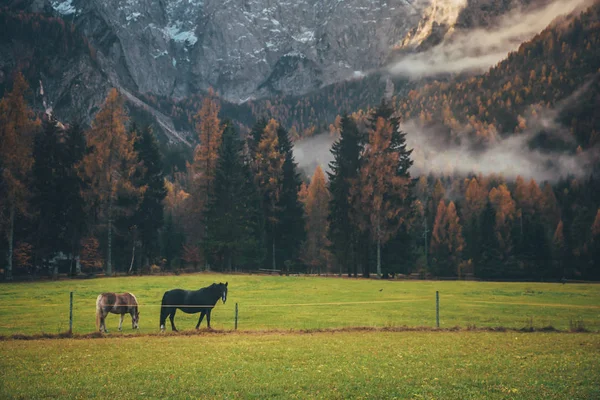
(447,242)
(317,210)
(379,191)
(268,166)
(110,163)
(474,205)
(206,154)
(17,126)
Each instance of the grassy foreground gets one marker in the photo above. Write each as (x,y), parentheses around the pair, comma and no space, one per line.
(280,302)
(448,365)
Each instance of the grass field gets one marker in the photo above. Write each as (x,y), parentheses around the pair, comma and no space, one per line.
(279,302)
(373,365)
(259,362)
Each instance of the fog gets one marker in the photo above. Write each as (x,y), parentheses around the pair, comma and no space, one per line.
(479,49)
(509,156)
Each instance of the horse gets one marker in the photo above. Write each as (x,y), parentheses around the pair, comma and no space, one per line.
(117,304)
(191,302)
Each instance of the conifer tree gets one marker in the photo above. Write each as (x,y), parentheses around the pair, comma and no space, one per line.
(73,186)
(290,212)
(594,273)
(17,128)
(110,163)
(149,216)
(234,215)
(343,233)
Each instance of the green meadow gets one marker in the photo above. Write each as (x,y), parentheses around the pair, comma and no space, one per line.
(329,365)
(300,303)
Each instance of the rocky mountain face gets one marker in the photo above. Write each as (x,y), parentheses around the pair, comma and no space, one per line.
(245,49)
(242,48)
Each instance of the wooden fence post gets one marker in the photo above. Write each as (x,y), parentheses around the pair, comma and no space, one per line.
(437,309)
(236,315)
(71,313)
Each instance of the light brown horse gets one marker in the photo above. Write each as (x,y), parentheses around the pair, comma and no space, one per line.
(116,303)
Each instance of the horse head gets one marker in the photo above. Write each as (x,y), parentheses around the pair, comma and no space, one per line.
(135,319)
(223,288)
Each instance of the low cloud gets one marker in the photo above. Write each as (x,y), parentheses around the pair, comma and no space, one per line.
(313,151)
(479,49)
(510,156)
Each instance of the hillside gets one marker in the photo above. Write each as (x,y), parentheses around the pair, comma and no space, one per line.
(555,74)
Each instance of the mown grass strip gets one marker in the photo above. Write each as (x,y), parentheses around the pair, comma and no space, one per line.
(367,364)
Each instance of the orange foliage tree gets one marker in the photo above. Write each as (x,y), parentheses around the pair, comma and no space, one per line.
(378,191)
(17,127)
(110,164)
(317,211)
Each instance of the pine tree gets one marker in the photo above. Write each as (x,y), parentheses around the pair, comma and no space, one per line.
(558,242)
(73,186)
(255,136)
(16,141)
(234,215)
(290,212)
(110,163)
(149,216)
(343,233)
(317,201)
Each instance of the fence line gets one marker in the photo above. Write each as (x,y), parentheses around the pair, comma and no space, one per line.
(252,305)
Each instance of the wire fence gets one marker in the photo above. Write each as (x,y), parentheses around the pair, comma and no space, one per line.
(78,315)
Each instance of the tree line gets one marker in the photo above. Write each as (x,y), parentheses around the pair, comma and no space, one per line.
(99,198)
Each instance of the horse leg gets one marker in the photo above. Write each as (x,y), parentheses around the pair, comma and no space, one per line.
(121,322)
(103,321)
(201,318)
(172,317)
(208,318)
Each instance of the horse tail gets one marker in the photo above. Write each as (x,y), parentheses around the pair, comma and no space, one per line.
(98,311)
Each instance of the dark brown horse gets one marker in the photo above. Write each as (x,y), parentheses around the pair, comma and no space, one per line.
(116,303)
(191,302)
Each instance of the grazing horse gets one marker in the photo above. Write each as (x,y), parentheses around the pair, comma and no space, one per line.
(117,304)
(191,302)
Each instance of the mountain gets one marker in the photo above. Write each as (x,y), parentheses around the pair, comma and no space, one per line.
(241,48)
(301,62)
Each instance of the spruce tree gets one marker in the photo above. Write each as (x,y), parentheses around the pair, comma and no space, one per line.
(47,199)
(290,212)
(149,216)
(233,215)
(343,233)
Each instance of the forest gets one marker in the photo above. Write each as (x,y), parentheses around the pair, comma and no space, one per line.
(106,197)
(85,201)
